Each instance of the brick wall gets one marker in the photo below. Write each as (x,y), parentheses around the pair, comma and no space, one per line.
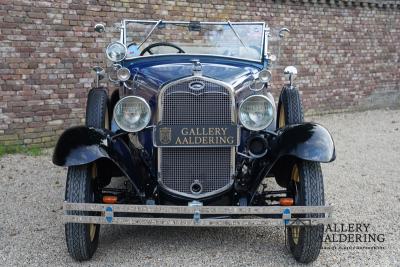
(347,53)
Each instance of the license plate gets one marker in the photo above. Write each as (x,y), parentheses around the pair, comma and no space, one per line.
(196,135)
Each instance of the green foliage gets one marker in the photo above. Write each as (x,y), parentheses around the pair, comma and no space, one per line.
(20,149)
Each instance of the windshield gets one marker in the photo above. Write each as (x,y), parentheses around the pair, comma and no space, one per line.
(231,39)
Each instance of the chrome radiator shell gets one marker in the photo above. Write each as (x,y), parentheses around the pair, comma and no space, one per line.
(179,167)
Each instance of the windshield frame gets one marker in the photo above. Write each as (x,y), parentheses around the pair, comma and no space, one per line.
(229,23)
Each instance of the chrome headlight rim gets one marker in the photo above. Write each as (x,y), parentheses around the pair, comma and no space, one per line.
(262,126)
(119,43)
(120,76)
(265,75)
(146,122)
(257,85)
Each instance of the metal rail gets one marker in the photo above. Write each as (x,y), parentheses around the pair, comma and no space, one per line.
(147,213)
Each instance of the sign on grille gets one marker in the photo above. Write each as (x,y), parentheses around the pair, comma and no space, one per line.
(196,135)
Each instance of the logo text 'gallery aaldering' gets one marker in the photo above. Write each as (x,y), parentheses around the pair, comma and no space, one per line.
(351,233)
(352,236)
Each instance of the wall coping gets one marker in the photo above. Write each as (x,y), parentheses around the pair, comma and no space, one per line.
(363,3)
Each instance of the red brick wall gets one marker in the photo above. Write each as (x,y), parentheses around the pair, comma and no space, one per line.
(347,53)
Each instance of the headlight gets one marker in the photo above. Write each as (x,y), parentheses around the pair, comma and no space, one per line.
(123,74)
(257,85)
(265,75)
(116,51)
(256,112)
(132,113)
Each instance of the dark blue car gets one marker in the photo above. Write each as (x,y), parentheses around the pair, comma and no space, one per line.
(191,136)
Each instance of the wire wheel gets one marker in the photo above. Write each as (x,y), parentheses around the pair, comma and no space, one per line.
(295,178)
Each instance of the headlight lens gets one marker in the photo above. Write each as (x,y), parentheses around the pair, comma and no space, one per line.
(256,112)
(123,74)
(257,85)
(116,51)
(132,113)
(265,75)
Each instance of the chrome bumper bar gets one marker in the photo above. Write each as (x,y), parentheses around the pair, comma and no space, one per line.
(153,215)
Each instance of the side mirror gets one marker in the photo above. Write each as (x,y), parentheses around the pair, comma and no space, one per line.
(290,71)
(99,28)
(282,32)
(100,73)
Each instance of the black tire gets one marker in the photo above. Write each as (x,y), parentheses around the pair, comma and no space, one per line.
(290,107)
(81,241)
(305,242)
(290,111)
(97,109)
(97,116)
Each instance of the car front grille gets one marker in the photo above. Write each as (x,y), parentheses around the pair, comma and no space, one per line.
(180,167)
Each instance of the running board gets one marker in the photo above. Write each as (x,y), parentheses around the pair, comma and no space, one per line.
(159,215)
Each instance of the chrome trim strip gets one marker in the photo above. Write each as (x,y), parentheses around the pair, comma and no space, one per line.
(191,93)
(201,22)
(214,222)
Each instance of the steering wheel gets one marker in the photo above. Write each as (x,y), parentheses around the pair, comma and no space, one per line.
(148,49)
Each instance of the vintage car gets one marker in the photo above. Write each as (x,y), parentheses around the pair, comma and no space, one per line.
(191,136)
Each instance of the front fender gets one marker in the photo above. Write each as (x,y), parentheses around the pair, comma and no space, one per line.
(79,145)
(82,145)
(307,141)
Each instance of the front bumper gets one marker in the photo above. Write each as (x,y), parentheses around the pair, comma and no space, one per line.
(159,215)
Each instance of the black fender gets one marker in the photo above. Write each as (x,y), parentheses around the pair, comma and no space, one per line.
(82,145)
(307,141)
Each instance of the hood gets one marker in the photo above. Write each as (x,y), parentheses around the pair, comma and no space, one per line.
(159,70)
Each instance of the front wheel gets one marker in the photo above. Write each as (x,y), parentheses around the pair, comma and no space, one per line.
(97,113)
(290,111)
(290,107)
(307,189)
(82,239)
